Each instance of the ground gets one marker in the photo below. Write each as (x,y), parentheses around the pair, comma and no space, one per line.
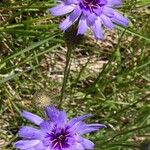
(109,78)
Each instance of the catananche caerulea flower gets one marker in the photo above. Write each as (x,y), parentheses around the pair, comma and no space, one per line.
(56,132)
(90,13)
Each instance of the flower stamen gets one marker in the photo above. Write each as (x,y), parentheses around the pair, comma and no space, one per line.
(55,145)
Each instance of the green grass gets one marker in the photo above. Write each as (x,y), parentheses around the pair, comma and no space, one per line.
(117,94)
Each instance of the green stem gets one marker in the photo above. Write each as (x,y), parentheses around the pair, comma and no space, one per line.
(66,74)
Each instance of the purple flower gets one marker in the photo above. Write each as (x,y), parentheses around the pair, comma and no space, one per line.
(56,133)
(90,13)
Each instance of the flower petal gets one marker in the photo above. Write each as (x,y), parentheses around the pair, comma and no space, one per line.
(120,19)
(98,11)
(70,19)
(82,128)
(78,119)
(97,125)
(91,19)
(61,9)
(108,11)
(32,117)
(107,22)
(114,3)
(82,27)
(40,146)
(52,113)
(71,2)
(86,130)
(88,144)
(56,116)
(47,126)
(97,29)
(26,144)
(30,133)
(90,128)
(86,12)
(79,146)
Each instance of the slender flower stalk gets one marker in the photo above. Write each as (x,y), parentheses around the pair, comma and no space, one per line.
(66,74)
(56,132)
(94,14)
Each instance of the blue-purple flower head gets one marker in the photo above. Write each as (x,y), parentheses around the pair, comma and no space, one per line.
(56,132)
(92,14)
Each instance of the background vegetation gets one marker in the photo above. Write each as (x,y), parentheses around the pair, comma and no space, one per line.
(110,78)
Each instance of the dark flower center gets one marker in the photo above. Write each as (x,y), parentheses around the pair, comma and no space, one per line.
(92,4)
(59,138)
